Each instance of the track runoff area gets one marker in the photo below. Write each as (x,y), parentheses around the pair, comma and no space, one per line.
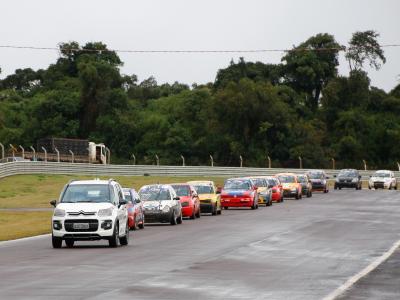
(339,245)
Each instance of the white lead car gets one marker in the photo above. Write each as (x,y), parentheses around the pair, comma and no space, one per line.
(90,210)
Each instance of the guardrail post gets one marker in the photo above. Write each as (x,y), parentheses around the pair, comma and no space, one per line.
(333,163)
(34,153)
(134,159)
(183,160)
(157,160)
(269,162)
(365,165)
(13,150)
(58,154)
(212,160)
(241,161)
(109,155)
(300,162)
(45,154)
(72,156)
(2,150)
(23,151)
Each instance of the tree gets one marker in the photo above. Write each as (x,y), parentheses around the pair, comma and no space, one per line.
(364,46)
(311,65)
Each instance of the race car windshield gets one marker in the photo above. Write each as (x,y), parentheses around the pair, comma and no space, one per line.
(271,183)
(181,190)
(347,174)
(302,179)
(155,194)
(237,185)
(380,174)
(204,189)
(128,196)
(316,175)
(259,182)
(97,193)
(287,179)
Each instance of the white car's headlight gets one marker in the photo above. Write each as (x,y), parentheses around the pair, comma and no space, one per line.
(58,212)
(166,209)
(355,180)
(105,212)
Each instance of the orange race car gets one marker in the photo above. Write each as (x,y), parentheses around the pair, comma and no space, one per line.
(291,185)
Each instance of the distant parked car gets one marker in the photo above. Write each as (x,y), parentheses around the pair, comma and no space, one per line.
(348,178)
(383,179)
(135,209)
(161,204)
(239,192)
(319,180)
(189,200)
(306,186)
(291,185)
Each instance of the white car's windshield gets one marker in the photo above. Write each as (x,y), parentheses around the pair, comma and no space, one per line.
(381,174)
(155,194)
(86,193)
(302,179)
(347,174)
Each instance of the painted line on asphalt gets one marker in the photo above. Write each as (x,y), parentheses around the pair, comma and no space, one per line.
(368,269)
(17,241)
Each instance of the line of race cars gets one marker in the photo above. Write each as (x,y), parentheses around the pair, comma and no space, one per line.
(103,210)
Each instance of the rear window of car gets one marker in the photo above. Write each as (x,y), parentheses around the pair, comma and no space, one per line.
(204,189)
(237,185)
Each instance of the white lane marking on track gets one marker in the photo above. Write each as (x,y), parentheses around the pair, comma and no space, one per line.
(30,238)
(368,269)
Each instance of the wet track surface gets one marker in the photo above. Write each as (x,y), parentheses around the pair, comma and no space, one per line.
(294,250)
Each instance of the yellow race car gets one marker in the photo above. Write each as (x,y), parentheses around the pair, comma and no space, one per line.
(210,200)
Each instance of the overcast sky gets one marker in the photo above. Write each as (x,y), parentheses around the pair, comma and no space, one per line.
(193,25)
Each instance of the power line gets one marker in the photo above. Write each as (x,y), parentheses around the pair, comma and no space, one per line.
(186,51)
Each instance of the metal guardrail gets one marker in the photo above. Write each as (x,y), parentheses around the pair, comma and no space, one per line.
(19,168)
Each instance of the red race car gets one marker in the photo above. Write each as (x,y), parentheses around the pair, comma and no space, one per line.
(135,209)
(190,201)
(277,189)
(239,192)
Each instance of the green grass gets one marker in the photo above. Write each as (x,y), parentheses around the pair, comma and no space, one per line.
(36,191)
(16,225)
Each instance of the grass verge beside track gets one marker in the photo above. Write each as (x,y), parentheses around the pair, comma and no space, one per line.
(15,225)
(35,191)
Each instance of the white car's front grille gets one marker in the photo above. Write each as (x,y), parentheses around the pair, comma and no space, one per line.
(83,213)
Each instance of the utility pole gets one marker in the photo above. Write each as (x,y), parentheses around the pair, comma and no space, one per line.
(157,160)
(2,150)
(300,162)
(241,161)
(269,162)
(134,159)
(333,163)
(212,160)
(365,165)
(183,161)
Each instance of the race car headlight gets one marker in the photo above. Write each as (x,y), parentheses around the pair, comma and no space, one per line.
(166,209)
(59,212)
(105,212)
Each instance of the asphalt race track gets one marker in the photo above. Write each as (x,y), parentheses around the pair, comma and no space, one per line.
(302,249)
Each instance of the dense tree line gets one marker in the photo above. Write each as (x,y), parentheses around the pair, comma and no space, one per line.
(300,107)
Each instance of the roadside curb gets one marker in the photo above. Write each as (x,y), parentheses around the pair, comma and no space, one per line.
(29,238)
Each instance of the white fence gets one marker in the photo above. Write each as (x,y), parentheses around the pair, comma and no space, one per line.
(18,168)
